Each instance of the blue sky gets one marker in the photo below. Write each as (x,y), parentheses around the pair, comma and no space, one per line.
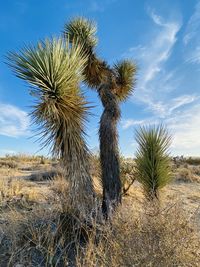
(161,36)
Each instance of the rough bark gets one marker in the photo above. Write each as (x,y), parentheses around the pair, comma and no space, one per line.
(109,154)
(81,191)
(76,165)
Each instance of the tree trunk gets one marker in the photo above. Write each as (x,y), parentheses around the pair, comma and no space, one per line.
(109,154)
(81,191)
(76,166)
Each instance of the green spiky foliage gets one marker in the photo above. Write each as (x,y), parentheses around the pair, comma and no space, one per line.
(83,32)
(54,69)
(152,159)
(113,85)
(125,71)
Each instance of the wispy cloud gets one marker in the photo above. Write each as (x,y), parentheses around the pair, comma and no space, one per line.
(14,122)
(130,122)
(194,56)
(154,79)
(185,127)
(156,85)
(191,37)
(163,111)
(193,26)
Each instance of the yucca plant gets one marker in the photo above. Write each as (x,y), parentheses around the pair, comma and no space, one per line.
(54,70)
(153,169)
(113,85)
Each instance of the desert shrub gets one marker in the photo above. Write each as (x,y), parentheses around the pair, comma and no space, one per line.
(19,193)
(196,170)
(149,237)
(42,160)
(13,161)
(186,175)
(33,239)
(127,174)
(192,160)
(44,237)
(10,188)
(45,175)
(159,239)
(8,164)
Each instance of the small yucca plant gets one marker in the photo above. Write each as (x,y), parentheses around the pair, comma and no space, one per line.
(153,169)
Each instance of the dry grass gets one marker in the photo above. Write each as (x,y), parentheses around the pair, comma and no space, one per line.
(26,158)
(15,191)
(188,174)
(8,164)
(37,233)
(163,236)
(10,188)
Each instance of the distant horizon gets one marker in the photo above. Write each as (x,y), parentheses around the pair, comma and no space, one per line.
(161,37)
(16,154)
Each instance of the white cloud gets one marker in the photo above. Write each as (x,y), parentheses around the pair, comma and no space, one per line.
(153,80)
(194,56)
(193,25)
(185,127)
(14,122)
(163,110)
(130,122)
(155,83)
(192,37)
(160,48)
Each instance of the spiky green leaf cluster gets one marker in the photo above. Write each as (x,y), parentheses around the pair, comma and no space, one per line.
(51,66)
(82,31)
(125,72)
(54,69)
(152,158)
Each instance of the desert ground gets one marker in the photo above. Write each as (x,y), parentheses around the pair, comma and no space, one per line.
(32,189)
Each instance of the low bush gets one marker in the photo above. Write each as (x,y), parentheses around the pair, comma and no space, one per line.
(165,238)
(192,160)
(149,237)
(127,175)
(187,175)
(8,164)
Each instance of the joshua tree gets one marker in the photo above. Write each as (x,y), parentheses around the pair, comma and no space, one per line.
(54,70)
(152,159)
(113,85)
